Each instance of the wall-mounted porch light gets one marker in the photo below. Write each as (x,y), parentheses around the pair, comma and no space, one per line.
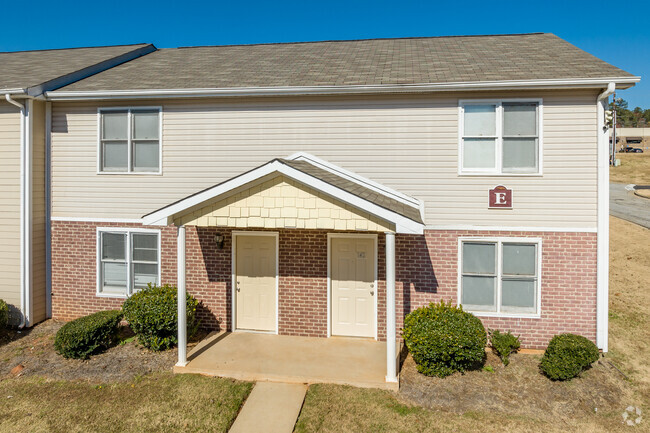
(218,239)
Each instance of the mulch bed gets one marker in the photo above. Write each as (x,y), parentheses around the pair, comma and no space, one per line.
(34,349)
(519,389)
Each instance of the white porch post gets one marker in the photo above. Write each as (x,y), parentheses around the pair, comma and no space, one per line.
(182,301)
(391,339)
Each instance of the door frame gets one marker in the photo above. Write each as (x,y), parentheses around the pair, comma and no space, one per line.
(330,236)
(233,285)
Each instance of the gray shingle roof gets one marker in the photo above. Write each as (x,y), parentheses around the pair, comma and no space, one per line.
(29,69)
(353,188)
(363,62)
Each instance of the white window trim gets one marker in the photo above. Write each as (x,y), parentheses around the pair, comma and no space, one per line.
(499,141)
(500,241)
(129,172)
(128,232)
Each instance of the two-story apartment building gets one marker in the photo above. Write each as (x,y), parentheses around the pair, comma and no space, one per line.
(330,188)
(24,167)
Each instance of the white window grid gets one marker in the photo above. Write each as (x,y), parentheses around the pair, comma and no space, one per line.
(130,148)
(499,274)
(498,163)
(128,254)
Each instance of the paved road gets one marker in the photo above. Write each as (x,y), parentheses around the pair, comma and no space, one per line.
(624,204)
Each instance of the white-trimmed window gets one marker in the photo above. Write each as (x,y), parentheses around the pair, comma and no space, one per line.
(127,260)
(500,276)
(129,140)
(500,137)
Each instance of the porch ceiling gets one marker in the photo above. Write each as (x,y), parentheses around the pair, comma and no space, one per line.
(301,191)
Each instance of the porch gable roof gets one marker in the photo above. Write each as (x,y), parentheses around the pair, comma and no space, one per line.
(385,203)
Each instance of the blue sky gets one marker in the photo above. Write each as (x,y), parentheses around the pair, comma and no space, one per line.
(600,28)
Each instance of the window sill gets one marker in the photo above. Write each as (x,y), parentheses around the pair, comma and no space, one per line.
(470,174)
(110,295)
(505,315)
(132,173)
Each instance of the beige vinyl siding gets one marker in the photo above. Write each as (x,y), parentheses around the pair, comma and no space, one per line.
(407,142)
(38,214)
(10,205)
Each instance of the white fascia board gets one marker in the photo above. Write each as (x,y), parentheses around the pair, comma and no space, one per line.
(622,83)
(353,177)
(402,224)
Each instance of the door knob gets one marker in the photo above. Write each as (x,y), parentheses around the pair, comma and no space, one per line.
(372,293)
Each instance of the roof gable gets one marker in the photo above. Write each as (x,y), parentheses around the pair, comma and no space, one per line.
(402,211)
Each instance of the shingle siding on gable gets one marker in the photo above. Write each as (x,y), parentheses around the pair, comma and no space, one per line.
(406,143)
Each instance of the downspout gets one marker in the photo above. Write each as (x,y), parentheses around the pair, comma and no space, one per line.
(48,209)
(602,242)
(23,211)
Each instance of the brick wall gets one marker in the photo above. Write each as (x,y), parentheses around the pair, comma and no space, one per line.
(426,272)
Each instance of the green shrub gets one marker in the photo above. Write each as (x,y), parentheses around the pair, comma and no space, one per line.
(4,314)
(153,315)
(444,339)
(82,337)
(567,355)
(504,344)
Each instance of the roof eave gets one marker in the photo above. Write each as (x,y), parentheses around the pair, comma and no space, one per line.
(621,83)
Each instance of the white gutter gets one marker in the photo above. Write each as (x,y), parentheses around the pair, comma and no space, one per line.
(25,208)
(602,242)
(62,95)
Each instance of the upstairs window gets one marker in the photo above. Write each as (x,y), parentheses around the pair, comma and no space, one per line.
(500,137)
(129,141)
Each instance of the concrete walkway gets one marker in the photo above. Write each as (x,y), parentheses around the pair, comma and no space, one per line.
(626,205)
(271,408)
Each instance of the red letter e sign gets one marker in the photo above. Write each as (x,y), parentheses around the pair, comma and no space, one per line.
(500,198)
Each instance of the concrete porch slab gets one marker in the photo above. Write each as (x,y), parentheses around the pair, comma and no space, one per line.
(280,358)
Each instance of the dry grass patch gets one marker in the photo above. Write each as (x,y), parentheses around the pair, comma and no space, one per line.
(517,397)
(629,315)
(634,168)
(155,403)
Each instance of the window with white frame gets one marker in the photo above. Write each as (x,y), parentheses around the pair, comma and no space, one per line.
(500,276)
(128,261)
(500,137)
(129,140)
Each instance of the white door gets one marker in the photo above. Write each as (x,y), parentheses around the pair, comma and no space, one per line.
(353,286)
(255,283)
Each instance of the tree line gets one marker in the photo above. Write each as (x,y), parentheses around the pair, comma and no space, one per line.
(626,118)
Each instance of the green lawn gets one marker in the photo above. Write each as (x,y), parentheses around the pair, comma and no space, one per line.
(154,403)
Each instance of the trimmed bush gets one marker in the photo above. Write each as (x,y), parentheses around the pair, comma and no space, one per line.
(153,316)
(444,339)
(82,337)
(4,314)
(504,344)
(568,355)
